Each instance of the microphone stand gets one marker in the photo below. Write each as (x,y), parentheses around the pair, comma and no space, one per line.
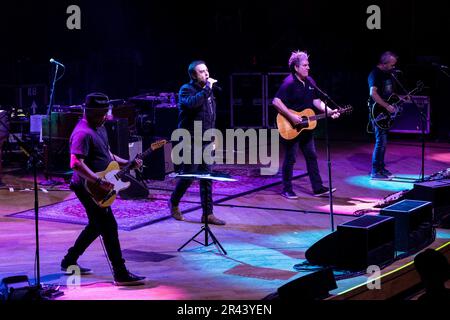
(34,162)
(327,142)
(444,72)
(423,119)
(48,167)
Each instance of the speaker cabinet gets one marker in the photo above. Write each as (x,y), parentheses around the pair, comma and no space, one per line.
(313,286)
(368,240)
(413,223)
(409,120)
(438,193)
(325,251)
(159,162)
(118,137)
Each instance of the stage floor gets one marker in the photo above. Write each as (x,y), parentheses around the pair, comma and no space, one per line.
(265,235)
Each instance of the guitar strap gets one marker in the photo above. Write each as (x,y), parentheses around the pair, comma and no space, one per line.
(369,127)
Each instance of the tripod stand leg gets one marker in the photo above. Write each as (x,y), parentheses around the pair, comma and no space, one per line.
(215,241)
(191,239)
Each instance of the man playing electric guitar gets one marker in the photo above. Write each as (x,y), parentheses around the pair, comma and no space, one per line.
(296,93)
(89,153)
(381,86)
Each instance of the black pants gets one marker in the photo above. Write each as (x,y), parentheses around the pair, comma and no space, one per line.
(306,143)
(101,223)
(205,187)
(184,184)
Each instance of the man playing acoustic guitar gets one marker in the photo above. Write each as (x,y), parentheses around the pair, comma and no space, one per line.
(89,153)
(296,93)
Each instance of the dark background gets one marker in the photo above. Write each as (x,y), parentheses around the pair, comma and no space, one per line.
(125,48)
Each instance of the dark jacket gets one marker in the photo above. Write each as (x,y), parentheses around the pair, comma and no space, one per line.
(196,104)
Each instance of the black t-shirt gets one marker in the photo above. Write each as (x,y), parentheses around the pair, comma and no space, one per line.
(92,145)
(296,95)
(383,82)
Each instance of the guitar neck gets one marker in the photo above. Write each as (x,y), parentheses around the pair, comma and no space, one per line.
(139,156)
(318,116)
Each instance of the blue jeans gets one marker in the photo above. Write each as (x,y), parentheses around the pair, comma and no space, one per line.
(380,149)
(306,143)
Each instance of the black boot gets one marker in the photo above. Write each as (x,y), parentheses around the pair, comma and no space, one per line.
(123,277)
(65,264)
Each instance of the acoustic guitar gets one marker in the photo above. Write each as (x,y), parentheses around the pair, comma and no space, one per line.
(309,121)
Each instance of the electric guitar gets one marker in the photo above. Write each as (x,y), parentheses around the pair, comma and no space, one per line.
(309,121)
(113,174)
(382,118)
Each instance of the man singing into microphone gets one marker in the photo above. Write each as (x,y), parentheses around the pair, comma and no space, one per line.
(381,86)
(297,93)
(196,104)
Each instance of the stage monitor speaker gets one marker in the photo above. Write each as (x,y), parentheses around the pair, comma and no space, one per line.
(368,240)
(136,190)
(409,120)
(118,137)
(158,163)
(324,252)
(413,223)
(438,193)
(313,286)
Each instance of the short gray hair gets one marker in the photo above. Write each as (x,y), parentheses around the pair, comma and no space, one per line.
(386,56)
(296,58)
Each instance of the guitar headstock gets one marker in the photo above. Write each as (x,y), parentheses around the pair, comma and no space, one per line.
(420,85)
(158,144)
(346,109)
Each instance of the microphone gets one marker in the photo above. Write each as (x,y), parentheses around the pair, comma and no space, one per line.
(396,71)
(215,86)
(440,66)
(56,62)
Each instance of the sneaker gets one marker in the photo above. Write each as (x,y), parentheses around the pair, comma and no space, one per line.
(212,219)
(69,269)
(2,184)
(387,173)
(126,278)
(379,176)
(323,191)
(289,195)
(175,212)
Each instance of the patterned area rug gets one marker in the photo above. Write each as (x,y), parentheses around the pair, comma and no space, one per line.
(133,214)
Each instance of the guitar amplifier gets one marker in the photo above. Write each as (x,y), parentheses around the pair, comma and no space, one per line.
(410,119)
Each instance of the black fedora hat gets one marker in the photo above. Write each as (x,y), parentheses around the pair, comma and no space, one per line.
(96,100)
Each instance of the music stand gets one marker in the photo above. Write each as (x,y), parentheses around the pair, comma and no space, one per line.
(205,228)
